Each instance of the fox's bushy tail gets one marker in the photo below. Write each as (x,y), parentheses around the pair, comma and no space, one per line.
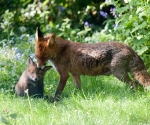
(139,71)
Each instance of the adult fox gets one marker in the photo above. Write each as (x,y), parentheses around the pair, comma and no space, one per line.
(31,79)
(103,58)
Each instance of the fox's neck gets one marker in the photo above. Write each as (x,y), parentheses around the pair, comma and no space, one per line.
(61,47)
(61,42)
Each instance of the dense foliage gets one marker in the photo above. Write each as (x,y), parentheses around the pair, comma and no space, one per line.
(132,26)
(67,18)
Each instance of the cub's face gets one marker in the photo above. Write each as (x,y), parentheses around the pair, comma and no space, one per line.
(34,72)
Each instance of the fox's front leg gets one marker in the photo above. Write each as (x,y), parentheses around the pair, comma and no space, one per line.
(60,87)
(77,80)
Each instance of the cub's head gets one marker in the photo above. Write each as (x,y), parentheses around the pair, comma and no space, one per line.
(34,73)
(45,48)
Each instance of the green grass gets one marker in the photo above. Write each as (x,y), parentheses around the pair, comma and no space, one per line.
(102,100)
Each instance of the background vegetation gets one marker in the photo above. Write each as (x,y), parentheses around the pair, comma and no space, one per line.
(103,100)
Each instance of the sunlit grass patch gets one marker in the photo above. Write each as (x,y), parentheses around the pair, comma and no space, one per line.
(81,109)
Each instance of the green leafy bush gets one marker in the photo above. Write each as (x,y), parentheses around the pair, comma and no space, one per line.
(132,26)
(14,61)
(56,16)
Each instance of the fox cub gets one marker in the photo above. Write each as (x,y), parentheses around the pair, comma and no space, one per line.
(31,79)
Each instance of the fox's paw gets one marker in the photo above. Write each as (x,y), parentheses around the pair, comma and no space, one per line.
(50,99)
(55,99)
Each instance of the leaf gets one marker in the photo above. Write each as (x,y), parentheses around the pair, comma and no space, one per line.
(143,25)
(83,32)
(3,41)
(87,29)
(142,50)
(73,32)
(51,24)
(123,9)
(142,11)
(13,116)
(139,42)
(139,9)
(132,21)
(4,120)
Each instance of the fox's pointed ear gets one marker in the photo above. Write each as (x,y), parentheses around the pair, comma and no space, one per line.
(51,40)
(38,34)
(30,61)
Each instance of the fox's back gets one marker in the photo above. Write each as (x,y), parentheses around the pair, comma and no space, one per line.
(95,59)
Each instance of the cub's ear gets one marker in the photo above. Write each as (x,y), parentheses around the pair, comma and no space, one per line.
(51,40)
(30,61)
(38,34)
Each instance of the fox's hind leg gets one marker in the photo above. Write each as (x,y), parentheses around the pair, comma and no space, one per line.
(122,75)
(119,67)
(77,80)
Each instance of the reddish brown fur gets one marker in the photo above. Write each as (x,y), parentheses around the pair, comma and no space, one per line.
(31,79)
(103,58)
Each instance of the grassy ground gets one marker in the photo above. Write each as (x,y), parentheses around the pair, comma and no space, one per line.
(102,101)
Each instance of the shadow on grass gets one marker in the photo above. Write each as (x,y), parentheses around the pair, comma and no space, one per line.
(102,87)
